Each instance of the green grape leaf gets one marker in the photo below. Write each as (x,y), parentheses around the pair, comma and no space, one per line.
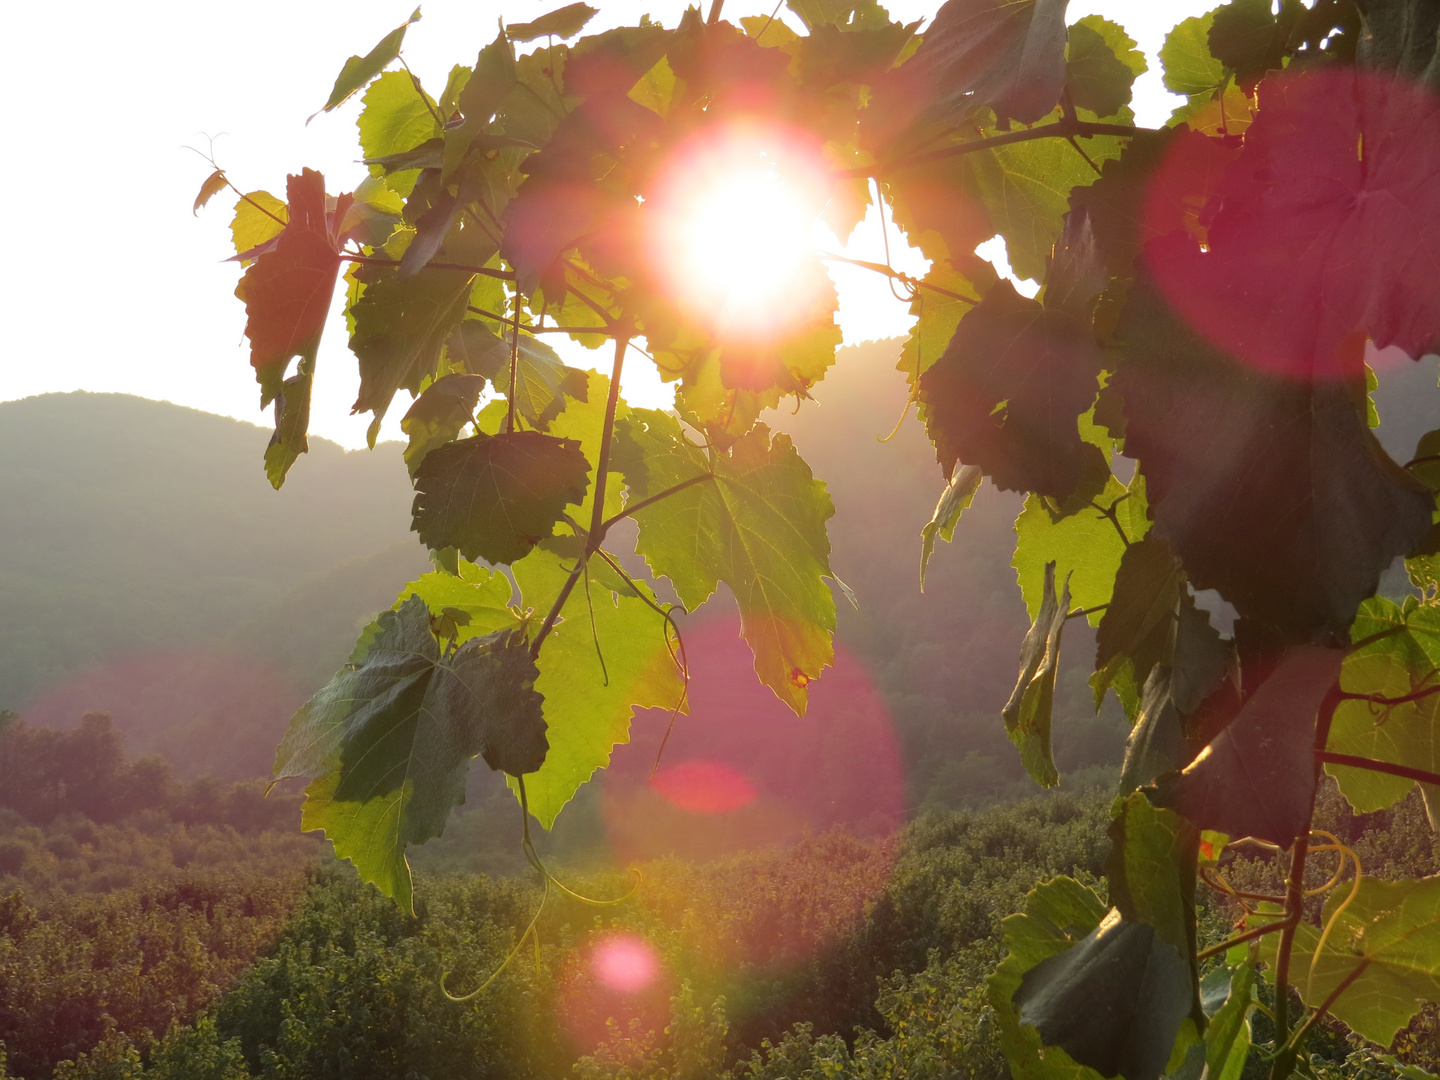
(1257,777)
(491,82)
(1057,915)
(1247,39)
(584,421)
(1113,1001)
(437,416)
(473,346)
(563,22)
(1120,202)
(1076,276)
(1157,743)
(494,497)
(390,738)
(1025,190)
(213,185)
(608,656)
(1185,56)
(396,118)
(292,423)
(1386,942)
(1229,997)
(1405,734)
(482,594)
(1009,56)
(1151,871)
(1271,490)
(830,54)
(1006,395)
(359,70)
(1101,62)
(400,326)
(1085,546)
(759,527)
(543,383)
(1027,713)
(1138,625)
(954,500)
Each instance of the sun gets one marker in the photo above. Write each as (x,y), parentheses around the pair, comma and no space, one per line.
(736,211)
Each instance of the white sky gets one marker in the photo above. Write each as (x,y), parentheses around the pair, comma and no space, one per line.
(112,285)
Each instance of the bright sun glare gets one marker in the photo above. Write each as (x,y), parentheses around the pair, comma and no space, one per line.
(736,215)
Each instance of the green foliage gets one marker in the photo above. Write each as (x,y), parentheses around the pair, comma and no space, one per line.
(1165,330)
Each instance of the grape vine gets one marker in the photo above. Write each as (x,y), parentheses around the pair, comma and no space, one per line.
(1209,290)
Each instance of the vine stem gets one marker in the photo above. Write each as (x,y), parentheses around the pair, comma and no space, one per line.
(1377,766)
(597,516)
(1295,892)
(1239,939)
(486,271)
(1065,128)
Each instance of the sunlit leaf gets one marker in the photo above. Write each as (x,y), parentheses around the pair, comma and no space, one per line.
(396,119)
(359,70)
(437,416)
(759,527)
(561,23)
(954,500)
(1386,941)
(1185,56)
(1101,63)
(608,657)
(494,497)
(214,183)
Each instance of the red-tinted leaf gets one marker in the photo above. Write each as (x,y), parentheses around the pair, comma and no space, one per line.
(1326,227)
(287,289)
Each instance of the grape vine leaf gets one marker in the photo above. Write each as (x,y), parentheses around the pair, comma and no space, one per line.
(1272,491)
(1246,37)
(607,657)
(396,118)
(213,185)
(1331,185)
(759,527)
(1006,394)
(1190,69)
(1113,1001)
(390,737)
(1027,713)
(1101,63)
(954,500)
(1229,996)
(438,414)
(1138,625)
(1057,915)
(1386,941)
(1393,666)
(259,218)
(359,70)
(494,497)
(563,22)
(1009,56)
(400,326)
(1086,546)
(1257,777)
(948,291)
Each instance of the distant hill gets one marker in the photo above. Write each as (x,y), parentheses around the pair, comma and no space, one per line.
(148,569)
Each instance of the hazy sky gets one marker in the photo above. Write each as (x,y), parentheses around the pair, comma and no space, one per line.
(113,285)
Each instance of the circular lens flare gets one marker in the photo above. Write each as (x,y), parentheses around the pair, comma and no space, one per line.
(624,963)
(735,213)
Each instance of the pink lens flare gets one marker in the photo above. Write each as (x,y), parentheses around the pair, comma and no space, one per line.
(624,963)
(704,787)
(1320,230)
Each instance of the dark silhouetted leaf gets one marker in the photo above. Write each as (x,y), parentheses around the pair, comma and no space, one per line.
(1157,743)
(359,70)
(1247,39)
(1027,713)
(1272,491)
(1007,392)
(390,738)
(1114,1001)
(1139,623)
(956,497)
(292,423)
(437,416)
(494,497)
(1101,63)
(1257,777)
(400,326)
(1076,274)
(561,23)
(1004,54)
